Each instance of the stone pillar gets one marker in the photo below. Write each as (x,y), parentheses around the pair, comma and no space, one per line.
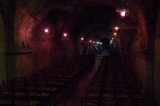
(149,84)
(8,14)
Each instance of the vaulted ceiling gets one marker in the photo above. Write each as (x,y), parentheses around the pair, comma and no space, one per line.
(85,18)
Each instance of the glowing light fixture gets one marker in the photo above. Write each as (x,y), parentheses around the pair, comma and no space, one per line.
(98,42)
(65,37)
(46,30)
(114,33)
(123,12)
(90,41)
(116,28)
(123,8)
(65,34)
(82,38)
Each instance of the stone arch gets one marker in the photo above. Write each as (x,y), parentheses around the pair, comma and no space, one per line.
(27,20)
(135,7)
(138,52)
(41,12)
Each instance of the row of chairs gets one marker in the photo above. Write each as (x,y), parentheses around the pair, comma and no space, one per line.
(113,85)
(45,87)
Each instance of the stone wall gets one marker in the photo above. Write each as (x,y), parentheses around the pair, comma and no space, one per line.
(2,51)
(157,60)
(23,26)
(132,47)
(37,50)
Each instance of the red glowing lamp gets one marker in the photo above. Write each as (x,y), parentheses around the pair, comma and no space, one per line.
(82,38)
(122,12)
(90,41)
(65,37)
(46,30)
(65,34)
(116,28)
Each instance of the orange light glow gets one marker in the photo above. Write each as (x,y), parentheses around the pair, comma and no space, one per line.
(114,33)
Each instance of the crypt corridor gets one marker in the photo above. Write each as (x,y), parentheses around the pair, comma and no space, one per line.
(79,53)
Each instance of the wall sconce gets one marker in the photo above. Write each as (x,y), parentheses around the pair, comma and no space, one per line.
(123,8)
(46,30)
(65,34)
(82,38)
(115,34)
(90,41)
(123,12)
(116,28)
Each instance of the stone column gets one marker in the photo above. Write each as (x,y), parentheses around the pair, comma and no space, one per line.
(149,82)
(8,14)
(149,54)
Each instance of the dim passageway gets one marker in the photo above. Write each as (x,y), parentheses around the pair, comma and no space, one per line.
(114,85)
(75,98)
(79,52)
(109,83)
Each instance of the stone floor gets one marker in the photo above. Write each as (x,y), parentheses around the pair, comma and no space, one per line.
(80,91)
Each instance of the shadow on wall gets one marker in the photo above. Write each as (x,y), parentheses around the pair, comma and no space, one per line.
(157,61)
(2,52)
